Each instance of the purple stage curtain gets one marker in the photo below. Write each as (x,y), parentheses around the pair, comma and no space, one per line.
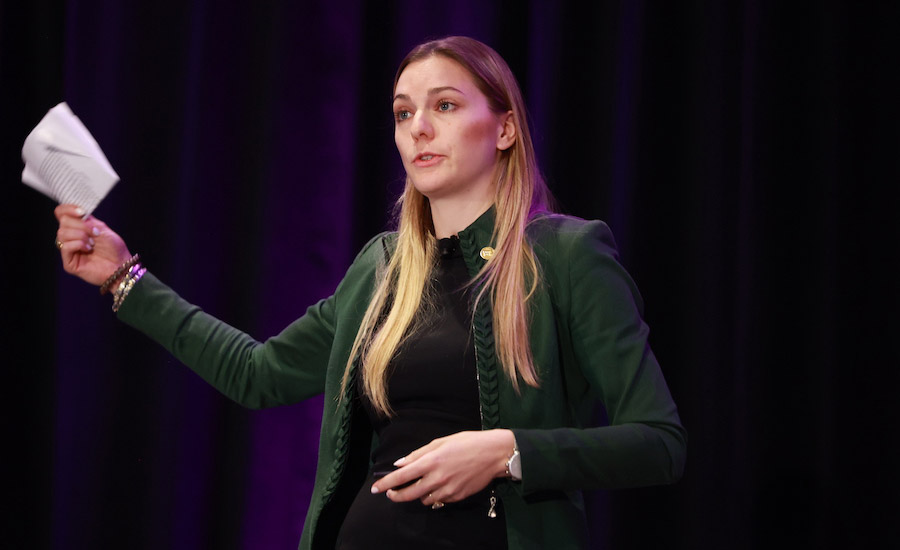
(744,154)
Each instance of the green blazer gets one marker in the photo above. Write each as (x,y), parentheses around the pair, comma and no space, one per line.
(589,344)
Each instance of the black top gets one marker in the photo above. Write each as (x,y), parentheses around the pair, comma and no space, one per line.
(433,390)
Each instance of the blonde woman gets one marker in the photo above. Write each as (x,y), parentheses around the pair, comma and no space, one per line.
(458,403)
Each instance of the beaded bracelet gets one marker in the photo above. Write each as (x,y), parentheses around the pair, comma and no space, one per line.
(119,272)
(134,275)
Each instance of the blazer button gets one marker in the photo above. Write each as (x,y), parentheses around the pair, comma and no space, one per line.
(486,253)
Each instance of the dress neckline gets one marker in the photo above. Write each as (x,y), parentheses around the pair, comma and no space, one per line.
(448,247)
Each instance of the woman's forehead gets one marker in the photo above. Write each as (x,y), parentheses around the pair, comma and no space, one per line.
(434,73)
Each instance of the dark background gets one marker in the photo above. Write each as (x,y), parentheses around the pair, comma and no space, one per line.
(744,153)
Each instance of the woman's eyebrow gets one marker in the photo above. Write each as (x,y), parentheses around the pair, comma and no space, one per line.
(431,92)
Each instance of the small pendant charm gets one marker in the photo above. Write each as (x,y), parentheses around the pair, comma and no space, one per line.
(492,513)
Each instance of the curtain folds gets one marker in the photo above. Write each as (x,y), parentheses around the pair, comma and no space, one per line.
(743,153)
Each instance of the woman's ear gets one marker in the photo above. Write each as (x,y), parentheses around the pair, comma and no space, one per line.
(507,136)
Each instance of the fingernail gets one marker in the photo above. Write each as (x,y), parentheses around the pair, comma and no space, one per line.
(90,241)
(96,232)
(80,211)
(375,490)
(89,247)
(400,461)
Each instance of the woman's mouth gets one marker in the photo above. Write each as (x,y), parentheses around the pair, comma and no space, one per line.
(427,159)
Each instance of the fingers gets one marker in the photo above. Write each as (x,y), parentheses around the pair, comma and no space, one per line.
(397,481)
(425,490)
(82,239)
(420,452)
(406,473)
(70,210)
(422,481)
(71,216)
(76,233)
(75,236)
(90,224)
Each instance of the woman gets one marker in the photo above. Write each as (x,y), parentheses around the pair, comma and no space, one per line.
(492,330)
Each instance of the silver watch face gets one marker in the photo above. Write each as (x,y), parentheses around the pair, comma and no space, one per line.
(515,466)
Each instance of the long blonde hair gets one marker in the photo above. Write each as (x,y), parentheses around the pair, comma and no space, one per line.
(508,279)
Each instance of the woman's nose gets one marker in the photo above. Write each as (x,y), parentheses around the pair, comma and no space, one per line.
(421,127)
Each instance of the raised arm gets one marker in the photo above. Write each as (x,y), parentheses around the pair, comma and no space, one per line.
(285,369)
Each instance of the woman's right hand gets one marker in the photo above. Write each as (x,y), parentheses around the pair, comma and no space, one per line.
(90,250)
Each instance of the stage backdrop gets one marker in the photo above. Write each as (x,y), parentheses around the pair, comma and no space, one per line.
(744,154)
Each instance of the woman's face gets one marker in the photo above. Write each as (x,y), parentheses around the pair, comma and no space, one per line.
(447,136)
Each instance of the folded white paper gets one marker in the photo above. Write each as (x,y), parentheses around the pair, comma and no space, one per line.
(64,162)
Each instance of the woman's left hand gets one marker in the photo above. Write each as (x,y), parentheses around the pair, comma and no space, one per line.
(450,468)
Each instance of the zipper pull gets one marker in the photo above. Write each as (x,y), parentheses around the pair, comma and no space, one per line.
(492,513)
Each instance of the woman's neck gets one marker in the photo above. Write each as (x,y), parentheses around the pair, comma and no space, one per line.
(452,215)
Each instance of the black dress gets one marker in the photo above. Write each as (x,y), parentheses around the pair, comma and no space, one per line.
(433,390)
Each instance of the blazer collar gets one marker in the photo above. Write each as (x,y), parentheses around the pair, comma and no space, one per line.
(476,241)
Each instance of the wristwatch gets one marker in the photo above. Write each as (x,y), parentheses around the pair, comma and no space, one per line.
(514,465)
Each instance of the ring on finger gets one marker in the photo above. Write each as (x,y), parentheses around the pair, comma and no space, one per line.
(59,244)
(437,504)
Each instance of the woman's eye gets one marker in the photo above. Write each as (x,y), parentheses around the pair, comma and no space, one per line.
(402,115)
(445,106)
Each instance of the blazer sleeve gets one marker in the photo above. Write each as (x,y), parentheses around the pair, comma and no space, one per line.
(287,368)
(605,339)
